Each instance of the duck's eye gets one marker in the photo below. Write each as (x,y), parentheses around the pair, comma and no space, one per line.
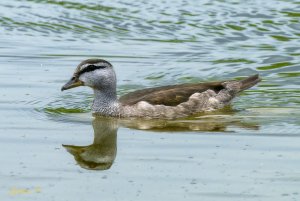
(90,68)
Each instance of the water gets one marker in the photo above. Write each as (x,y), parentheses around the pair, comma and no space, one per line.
(54,150)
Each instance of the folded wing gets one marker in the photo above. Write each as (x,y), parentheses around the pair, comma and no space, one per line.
(176,94)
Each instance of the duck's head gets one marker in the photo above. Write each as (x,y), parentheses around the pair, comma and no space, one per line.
(95,73)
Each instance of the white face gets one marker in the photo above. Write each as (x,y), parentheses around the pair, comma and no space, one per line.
(98,75)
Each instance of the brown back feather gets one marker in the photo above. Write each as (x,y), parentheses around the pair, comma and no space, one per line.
(169,95)
(175,94)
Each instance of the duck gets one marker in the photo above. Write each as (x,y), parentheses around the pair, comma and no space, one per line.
(163,102)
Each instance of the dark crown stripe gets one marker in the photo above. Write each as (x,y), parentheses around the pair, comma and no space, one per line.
(89,69)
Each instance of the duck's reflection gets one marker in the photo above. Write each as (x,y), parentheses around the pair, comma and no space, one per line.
(216,124)
(101,154)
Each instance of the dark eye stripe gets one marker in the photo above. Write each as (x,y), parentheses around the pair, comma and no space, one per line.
(89,69)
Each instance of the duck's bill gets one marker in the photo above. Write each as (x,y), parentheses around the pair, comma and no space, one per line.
(72,83)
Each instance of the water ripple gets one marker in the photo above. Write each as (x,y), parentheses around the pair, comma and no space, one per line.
(151,44)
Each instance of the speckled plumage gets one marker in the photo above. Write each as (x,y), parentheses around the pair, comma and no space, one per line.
(167,102)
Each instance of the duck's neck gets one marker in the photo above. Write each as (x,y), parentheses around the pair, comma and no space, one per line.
(106,103)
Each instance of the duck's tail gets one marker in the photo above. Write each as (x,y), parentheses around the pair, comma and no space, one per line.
(249,82)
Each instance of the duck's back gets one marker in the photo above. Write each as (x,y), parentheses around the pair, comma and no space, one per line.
(173,95)
(183,100)
(169,95)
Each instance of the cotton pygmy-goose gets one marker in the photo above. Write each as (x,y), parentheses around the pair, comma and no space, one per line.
(165,102)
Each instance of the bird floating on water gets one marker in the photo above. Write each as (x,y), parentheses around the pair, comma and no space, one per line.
(165,102)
